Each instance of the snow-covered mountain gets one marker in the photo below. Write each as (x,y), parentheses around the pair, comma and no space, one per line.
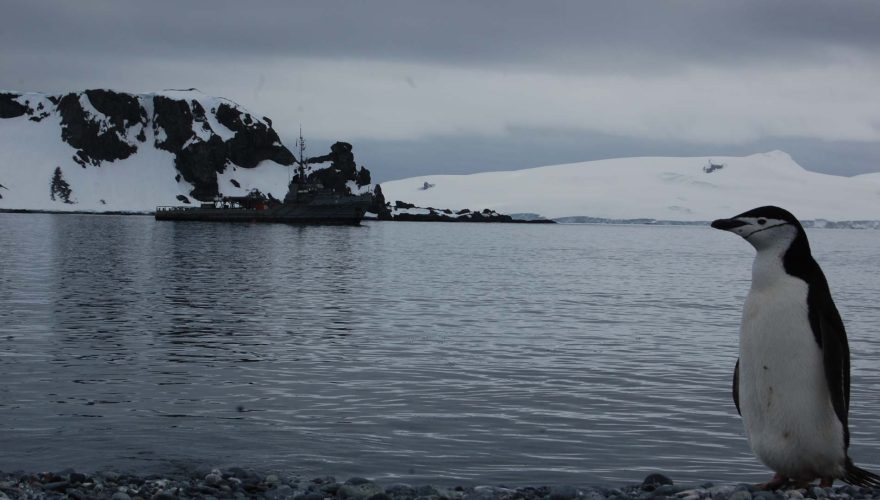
(101,150)
(671,189)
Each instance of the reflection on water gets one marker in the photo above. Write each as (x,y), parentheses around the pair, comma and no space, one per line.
(398,351)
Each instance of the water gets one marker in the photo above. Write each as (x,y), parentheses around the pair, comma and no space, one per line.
(417,352)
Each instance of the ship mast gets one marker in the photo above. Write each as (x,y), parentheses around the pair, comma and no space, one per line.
(303,163)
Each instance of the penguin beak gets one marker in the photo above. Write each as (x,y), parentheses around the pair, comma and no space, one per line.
(728,224)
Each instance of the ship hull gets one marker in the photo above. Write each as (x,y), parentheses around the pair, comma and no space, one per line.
(350,214)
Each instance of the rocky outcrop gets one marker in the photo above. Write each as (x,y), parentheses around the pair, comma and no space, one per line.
(403,211)
(59,187)
(199,163)
(379,206)
(172,123)
(254,141)
(10,107)
(341,171)
(105,137)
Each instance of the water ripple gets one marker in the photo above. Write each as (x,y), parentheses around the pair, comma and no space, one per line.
(398,351)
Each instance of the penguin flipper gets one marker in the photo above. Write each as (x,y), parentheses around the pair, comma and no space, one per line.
(736,386)
(857,476)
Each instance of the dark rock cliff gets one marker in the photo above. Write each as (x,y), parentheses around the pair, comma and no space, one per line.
(105,139)
(254,141)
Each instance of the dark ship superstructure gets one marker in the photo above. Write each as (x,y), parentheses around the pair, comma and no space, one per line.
(305,203)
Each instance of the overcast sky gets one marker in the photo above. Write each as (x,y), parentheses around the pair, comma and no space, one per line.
(422,87)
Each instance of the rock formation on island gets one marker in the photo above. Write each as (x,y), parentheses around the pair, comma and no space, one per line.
(101,131)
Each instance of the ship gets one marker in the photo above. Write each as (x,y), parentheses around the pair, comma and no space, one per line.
(306,202)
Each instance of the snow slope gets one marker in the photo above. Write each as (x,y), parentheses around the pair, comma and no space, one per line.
(673,189)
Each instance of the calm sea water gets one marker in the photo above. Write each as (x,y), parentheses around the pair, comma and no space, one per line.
(417,352)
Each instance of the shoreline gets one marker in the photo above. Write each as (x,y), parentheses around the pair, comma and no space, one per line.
(562,221)
(71,212)
(238,483)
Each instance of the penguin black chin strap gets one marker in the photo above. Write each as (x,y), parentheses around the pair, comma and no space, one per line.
(765,228)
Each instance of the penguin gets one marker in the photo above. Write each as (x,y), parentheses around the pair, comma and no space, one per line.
(791,383)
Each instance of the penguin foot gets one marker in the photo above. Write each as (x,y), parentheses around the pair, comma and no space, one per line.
(826,482)
(777,482)
(801,485)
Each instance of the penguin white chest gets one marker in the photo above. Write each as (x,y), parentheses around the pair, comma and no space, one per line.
(784,397)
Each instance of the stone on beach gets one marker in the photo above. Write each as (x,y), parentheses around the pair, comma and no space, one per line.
(237,483)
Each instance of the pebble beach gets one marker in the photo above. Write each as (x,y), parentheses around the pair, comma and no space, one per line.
(237,483)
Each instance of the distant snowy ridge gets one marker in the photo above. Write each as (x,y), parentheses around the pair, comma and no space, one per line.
(101,150)
(654,189)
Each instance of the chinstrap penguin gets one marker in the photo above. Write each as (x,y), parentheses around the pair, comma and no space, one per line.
(791,381)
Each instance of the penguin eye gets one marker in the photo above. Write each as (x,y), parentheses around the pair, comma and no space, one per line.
(762,221)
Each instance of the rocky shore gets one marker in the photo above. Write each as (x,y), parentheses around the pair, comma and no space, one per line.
(236,483)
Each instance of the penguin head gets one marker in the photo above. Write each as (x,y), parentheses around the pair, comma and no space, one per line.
(765,227)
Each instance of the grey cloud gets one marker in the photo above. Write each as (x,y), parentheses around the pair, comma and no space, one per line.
(567,34)
(233,48)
